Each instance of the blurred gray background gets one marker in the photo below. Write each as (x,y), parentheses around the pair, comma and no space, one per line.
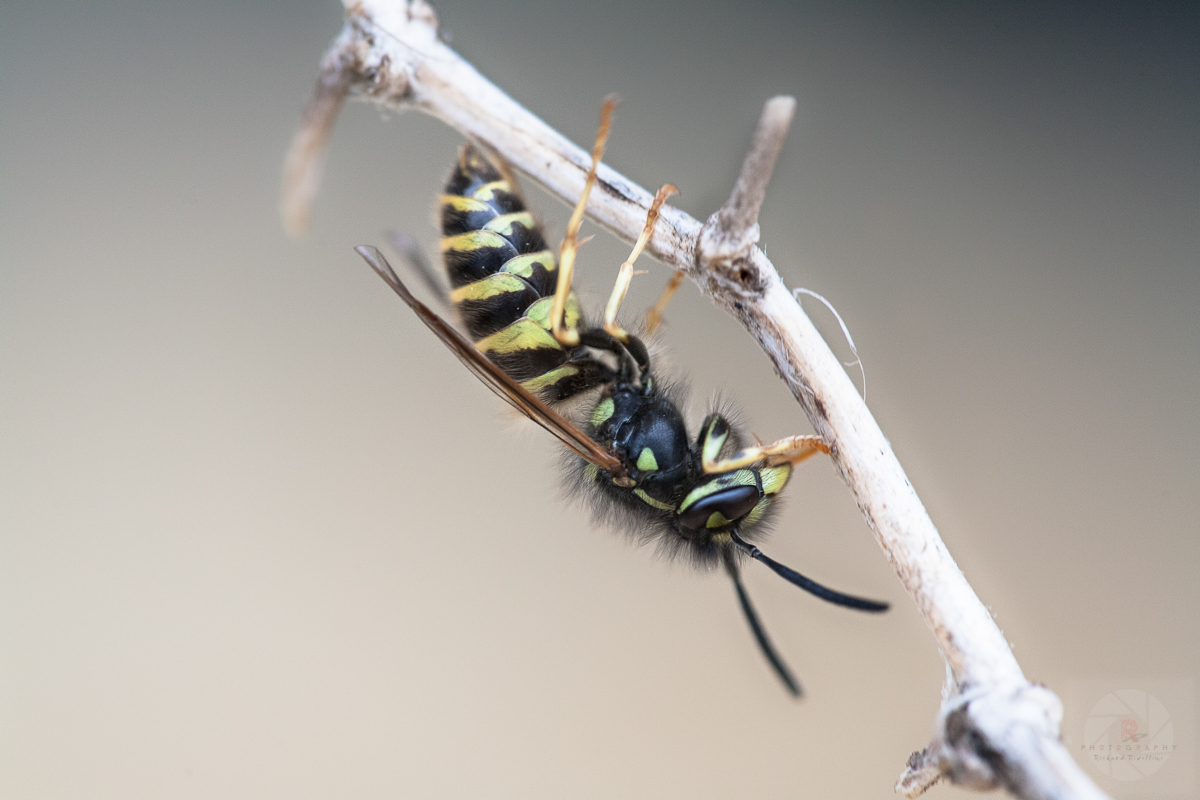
(262,536)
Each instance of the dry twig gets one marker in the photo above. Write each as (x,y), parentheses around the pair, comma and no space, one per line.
(995,728)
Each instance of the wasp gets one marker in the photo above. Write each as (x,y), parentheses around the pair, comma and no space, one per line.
(706,496)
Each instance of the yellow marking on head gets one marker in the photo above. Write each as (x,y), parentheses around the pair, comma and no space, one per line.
(503,224)
(756,513)
(489,190)
(523,265)
(602,411)
(524,334)
(716,520)
(464,205)
(591,472)
(539,312)
(721,538)
(646,461)
(535,385)
(650,501)
(474,240)
(775,478)
(495,284)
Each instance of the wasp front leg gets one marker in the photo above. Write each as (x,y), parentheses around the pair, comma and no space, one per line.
(790,450)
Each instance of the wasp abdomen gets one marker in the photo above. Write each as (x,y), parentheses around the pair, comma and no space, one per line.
(503,278)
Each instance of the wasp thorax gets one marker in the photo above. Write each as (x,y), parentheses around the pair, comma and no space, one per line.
(647,433)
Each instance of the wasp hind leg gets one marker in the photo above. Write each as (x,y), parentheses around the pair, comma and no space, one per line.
(570,244)
(625,274)
(654,316)
(623,346)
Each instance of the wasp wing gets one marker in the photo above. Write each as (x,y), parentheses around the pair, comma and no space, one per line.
(496,379)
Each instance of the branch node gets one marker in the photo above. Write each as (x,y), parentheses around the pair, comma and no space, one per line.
(383,78)
(396,17)
(1004,735)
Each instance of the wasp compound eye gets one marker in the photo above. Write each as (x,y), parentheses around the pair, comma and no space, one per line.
(720,508)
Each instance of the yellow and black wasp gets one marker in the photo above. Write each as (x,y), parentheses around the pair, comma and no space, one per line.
(529,342)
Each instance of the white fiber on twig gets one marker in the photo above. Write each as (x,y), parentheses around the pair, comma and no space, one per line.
(845,332)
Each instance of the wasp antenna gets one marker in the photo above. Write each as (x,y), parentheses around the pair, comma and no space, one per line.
(760,634)
(807,584)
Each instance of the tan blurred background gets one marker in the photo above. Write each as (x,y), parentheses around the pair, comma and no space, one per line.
(261,536)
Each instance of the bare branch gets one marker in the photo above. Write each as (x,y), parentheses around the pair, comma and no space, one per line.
(733,230)
(995,728)
(306,159)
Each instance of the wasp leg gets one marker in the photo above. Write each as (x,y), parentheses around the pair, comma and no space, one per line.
(408,249)
(631,356)
(570,243)
(760,634)
(789,450)
(625,275)
(655,315)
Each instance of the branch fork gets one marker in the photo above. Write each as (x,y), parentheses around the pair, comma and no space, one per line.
(728,239)
(995,729)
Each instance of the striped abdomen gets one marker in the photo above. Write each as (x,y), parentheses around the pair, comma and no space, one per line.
(502,277)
